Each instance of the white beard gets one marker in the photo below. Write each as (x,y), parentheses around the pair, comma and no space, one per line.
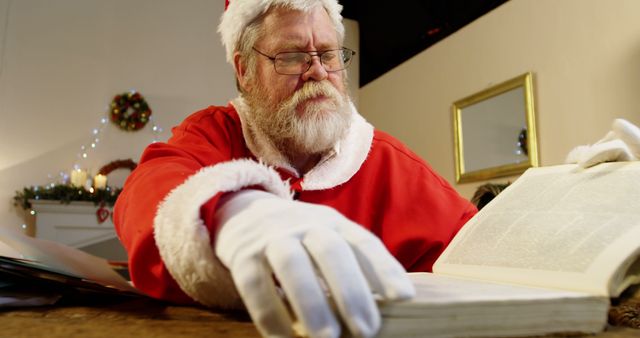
(315,130)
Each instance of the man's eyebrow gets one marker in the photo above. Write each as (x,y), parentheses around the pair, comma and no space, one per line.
(288,47)
(295,47)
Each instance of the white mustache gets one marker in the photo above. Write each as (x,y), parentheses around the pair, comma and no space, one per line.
(311,90)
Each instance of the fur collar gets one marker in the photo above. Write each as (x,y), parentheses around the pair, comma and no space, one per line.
(335,168)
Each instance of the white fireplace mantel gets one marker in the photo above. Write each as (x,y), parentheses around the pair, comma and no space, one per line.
(76,225)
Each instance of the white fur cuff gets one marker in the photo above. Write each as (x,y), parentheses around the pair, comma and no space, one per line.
(183,240)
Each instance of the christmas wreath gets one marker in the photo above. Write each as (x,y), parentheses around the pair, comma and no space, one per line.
(117,164)
(130,111)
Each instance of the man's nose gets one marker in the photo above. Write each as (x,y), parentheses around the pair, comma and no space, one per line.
(316,70)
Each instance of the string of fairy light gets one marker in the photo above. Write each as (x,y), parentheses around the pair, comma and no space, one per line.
(89,148)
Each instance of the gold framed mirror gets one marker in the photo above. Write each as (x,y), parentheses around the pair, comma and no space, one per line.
(495,131)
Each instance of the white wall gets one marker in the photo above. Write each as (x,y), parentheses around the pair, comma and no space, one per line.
(65,59)
(62,61)
(584,54)
(352,40)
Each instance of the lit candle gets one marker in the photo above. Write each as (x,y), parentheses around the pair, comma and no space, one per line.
(78,178)
(100,181)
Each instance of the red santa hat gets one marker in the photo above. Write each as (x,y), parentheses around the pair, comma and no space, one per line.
(239,13)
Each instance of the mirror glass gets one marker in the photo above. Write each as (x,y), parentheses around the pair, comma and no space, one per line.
(494,131)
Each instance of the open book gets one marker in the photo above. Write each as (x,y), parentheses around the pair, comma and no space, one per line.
(545,256)
(39,272)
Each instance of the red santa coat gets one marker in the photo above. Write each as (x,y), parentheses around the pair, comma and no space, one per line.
(165,214)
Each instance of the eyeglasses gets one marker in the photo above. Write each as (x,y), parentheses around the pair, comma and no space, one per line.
(296,63)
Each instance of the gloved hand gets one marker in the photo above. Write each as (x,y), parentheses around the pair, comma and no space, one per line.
(311,250)
(622,143)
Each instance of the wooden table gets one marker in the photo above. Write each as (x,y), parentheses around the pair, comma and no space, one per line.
(147,318)
(131,318)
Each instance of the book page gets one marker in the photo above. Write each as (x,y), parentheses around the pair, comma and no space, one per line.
(8,251)
(63,259)
(437,290)
(453,307)
(554,227)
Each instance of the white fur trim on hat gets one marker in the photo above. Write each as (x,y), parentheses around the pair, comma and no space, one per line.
(241,12)
(183,240)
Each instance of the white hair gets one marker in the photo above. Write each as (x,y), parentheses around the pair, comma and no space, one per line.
(240,13)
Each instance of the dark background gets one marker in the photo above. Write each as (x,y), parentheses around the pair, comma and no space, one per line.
(393,32)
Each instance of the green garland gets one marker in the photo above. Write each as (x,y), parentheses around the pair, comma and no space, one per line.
(65,194)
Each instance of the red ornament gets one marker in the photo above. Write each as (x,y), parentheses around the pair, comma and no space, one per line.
(103,214)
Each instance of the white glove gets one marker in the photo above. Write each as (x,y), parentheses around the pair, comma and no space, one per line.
(308,248)
(622,143)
